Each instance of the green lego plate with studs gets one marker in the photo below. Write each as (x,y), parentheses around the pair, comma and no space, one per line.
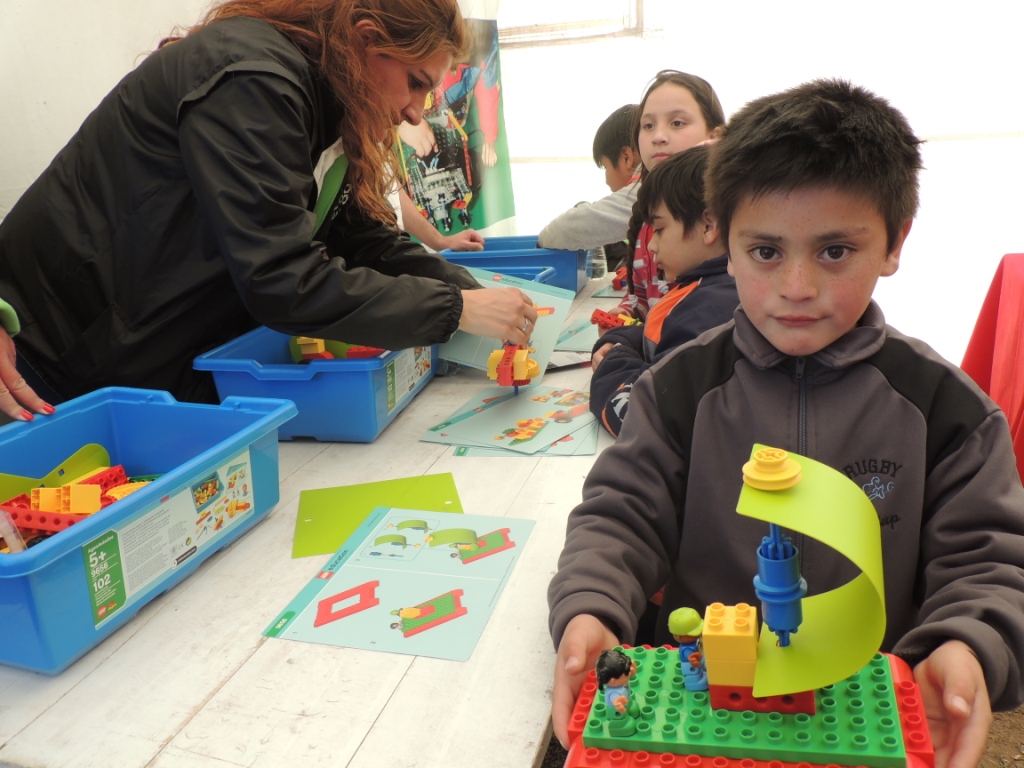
(856,721)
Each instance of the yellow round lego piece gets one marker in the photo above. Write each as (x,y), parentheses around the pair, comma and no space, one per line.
(771,469)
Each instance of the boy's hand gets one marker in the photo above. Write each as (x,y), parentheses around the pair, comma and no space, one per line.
(584,639)
(597,357)
(956,703)
(466,240)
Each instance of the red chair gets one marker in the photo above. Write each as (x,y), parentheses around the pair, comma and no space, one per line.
(995,353)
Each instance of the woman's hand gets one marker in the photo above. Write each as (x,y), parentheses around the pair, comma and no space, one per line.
(506,314)
(15,394)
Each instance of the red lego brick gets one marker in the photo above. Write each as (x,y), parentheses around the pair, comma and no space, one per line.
(32,520)
(357,352)
(916,738)
(581,711)
(738,698)
(107,479)
(605,320)
(23,501)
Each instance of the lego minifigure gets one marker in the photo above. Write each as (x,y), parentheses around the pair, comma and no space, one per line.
(614,669)
(686,626)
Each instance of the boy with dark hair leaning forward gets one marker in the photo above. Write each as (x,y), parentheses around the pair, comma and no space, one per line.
(814,190)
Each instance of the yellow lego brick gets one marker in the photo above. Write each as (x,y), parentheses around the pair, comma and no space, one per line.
(45,499)
(730,632)
(80,499)
(727,672)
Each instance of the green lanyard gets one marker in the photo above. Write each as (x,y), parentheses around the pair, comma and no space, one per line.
(329,190)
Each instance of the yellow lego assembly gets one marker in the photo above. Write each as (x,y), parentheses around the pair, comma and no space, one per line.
(80,499)
(730,632)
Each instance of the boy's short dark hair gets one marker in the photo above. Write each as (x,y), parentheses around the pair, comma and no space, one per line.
(823,133)
(614,134)
(678,182)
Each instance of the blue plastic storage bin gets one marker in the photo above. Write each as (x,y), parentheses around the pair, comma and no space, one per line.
(501,254)
(340,400)
(63,596)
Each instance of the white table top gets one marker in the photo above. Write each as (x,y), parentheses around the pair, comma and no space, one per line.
(191,681)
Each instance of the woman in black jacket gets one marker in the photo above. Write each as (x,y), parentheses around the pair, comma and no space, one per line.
(182,212)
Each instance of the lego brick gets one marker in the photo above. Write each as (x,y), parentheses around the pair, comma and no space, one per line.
(45,499)
(916,737)
(80,499)
(30,520)
(22,501)
(728,672)
(106,478)
(857,721)
(730,632)
(581,710)
(741,698)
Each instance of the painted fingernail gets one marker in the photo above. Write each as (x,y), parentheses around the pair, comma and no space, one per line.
(26,416)
(48,409)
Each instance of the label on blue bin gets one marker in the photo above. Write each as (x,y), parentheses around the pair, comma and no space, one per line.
(404,374)
(123,561)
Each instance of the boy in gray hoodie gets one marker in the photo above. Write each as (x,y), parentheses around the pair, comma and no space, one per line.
(814,191)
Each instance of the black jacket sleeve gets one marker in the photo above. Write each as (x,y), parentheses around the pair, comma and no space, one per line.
(247,151)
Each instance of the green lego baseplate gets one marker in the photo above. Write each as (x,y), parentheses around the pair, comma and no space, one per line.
(856,721)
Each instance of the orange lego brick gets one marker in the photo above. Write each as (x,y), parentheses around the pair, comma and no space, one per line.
(80,499)
(45,499)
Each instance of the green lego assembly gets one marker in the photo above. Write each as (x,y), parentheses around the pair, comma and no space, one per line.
(857,721)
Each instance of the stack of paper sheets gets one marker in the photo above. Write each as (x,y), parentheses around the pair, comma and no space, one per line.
(540,420)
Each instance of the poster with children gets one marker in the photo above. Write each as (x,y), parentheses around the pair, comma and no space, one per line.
(455,162)
(409,581)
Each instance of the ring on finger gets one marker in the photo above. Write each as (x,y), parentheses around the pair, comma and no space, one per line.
(526,325)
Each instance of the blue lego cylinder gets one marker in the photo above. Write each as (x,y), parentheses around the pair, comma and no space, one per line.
(780,587)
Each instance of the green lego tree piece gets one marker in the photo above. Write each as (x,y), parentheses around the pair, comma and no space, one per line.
(856,724)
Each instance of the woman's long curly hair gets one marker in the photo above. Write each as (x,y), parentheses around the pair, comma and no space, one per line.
(409,31)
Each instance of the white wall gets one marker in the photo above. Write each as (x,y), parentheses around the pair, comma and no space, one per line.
(954,72)
(58,58)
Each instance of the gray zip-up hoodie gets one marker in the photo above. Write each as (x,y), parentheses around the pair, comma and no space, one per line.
(928,447)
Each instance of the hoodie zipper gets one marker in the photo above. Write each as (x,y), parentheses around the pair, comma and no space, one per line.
(801,381)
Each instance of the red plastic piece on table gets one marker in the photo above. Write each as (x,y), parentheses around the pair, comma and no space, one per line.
(916,738)
(30,519)
(619,281)
(605,320)
(354,353)
(738,698)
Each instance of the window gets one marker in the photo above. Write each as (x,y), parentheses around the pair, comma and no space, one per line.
(567,21)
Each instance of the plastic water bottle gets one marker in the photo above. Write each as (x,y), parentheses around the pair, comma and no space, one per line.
(600,268)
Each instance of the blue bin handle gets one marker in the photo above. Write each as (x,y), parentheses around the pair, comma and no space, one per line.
(546,274)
